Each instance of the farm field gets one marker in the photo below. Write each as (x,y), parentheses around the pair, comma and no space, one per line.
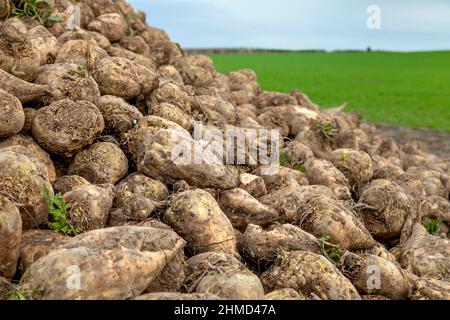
(410,89)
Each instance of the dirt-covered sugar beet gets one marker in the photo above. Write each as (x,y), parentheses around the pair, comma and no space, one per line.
(309,274)
(6,7)
(10,237)
(81,52)
(22,180)
(115,270)
(18,56)
(145,238)
(262,246)
(68,183)
(102,162)
(90,206)
(196,216)
(36,244)
(22,90)
(45,42)
(81,34)
(124,78)
(112,25)
(33,150)
(119,116)
(196,70)
(66,126)
(223,275)
(384,208)
(322,172)
(139,196)
(355,165)
(67,81)
(393,284)
(241,208)
(12,116)
(162,151)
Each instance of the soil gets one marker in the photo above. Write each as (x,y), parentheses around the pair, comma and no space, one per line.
(438,142)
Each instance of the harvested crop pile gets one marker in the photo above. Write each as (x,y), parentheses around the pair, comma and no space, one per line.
(106,175)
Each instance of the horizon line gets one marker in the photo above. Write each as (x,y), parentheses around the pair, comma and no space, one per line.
(262,49)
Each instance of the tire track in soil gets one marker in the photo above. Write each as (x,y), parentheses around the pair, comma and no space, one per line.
(437,141)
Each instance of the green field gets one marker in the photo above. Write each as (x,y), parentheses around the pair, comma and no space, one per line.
(411,89)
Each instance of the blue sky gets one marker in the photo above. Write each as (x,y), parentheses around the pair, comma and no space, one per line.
(406,25)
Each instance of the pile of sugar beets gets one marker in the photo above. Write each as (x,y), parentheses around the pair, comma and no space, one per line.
(93,206)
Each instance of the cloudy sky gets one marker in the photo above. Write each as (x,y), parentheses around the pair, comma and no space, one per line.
(406,25)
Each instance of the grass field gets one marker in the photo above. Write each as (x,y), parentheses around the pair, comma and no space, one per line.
(411,89)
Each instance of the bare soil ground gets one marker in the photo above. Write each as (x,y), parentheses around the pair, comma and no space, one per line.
(438,142)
